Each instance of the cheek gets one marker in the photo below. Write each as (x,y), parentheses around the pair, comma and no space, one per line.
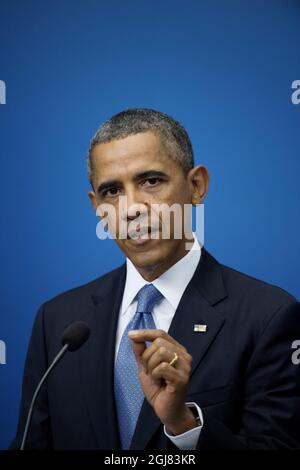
(175,193)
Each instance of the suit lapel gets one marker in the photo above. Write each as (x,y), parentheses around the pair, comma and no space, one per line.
(97,359)
(196,307)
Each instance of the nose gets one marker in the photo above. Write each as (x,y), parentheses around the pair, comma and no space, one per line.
(134,205)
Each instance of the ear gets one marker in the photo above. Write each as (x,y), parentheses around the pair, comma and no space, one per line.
(199,182)
(93,199)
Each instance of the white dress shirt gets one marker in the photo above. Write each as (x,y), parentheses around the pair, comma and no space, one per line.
(172,285)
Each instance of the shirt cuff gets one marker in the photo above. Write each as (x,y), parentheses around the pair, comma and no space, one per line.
(188,440)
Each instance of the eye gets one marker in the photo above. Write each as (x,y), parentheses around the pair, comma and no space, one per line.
(151,181)
(111,192)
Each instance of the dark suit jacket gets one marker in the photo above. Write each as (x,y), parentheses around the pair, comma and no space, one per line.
(243,377)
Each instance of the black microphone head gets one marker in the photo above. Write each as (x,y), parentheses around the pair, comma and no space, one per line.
(75,335)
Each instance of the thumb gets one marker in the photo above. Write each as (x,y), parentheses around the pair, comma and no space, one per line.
(138,349)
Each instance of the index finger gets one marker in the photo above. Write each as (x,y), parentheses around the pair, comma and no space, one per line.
(141,336)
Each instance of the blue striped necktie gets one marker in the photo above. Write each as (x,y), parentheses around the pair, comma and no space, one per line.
(128,392)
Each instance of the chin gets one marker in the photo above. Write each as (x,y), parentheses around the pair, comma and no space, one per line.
(151,256)
(146,262)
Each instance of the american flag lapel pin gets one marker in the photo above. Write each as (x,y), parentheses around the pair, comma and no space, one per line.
(200,328)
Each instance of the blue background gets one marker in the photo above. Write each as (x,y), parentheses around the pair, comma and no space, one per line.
(222,68)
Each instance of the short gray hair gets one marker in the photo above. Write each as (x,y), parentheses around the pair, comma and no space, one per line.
(135,120)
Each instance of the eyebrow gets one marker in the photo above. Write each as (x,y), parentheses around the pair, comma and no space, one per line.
(106,185)
(143,175)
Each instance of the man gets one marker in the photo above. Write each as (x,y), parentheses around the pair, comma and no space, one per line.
(184,352)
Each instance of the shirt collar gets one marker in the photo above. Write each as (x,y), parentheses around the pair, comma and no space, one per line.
(171,283)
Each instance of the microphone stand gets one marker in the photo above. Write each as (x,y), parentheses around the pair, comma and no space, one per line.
(37,391)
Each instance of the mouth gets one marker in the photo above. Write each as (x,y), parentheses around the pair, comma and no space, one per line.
(141,235)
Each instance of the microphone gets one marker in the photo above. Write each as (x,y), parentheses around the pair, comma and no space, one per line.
(74,336)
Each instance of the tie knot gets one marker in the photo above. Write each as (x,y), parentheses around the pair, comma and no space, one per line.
(147,297)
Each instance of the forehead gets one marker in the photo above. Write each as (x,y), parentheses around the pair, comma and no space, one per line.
(132,154)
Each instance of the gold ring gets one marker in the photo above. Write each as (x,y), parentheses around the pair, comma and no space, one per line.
(174,360)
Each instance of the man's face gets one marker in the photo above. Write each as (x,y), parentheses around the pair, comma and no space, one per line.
(139,168)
